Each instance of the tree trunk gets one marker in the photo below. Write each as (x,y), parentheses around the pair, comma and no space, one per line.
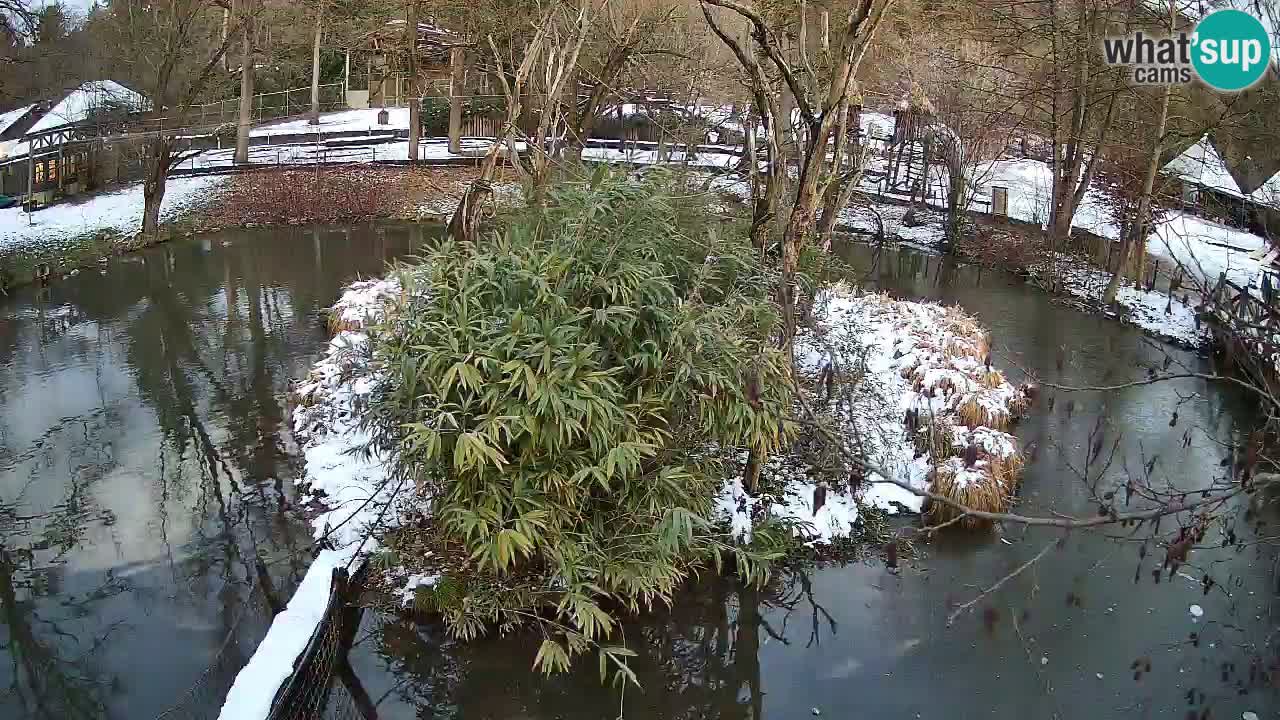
(153,186)
(582,121)
(1136,237)
(415,101)
(834,190)
(226,27)
(315,65)
(245,120)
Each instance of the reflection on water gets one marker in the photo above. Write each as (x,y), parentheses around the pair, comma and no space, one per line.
(144,472)
(856,641)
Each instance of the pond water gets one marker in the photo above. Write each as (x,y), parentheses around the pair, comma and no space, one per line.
(1059,641)
(144,474)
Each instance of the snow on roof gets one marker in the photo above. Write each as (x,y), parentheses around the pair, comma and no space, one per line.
(1202,165)
(80,103)
(13,116)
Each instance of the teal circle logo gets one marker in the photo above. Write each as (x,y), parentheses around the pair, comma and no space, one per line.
(1231,50)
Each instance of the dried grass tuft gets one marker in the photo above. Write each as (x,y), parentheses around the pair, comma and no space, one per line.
(336,324)
(984,493)
(934,437)
(974,414)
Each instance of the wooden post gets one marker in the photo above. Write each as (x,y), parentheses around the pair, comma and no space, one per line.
(455,100)
(31,178)
(415,103)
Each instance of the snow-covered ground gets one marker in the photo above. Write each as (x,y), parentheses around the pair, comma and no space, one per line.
(56,228)
(890,358)
(364,119)
(650,157)
(1157,312)
(352,492)
(1208,249)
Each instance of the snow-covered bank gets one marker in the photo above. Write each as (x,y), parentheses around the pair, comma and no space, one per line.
(349,491)
(56,228)
(1164,315)
(910,391)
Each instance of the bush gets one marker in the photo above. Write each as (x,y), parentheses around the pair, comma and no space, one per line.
(564,392)
(434,116)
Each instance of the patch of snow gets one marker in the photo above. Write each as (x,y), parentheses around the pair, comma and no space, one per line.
(11,117)
(895,359)
(1161,314)
(834,518)
(410,588)
(341,121)
(1196,611)
(57,227)
(272,662)
(1030,184)
(650,157)
(1201,164)
(91,97)
(1207,250)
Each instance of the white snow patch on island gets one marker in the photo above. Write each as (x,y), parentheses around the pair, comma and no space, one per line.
(901,357)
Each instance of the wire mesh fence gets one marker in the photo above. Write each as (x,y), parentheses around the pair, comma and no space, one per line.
(322,684)
(266,106)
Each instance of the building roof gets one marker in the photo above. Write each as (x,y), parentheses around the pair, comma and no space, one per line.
(9,118)
(1202,164)
(79,104)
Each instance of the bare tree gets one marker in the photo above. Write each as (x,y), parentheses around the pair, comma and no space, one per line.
(464,225)
(830,84)
(174,52)
(247,62)
(315,64)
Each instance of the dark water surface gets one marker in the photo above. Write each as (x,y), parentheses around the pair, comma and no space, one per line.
(143,466)
(856,641)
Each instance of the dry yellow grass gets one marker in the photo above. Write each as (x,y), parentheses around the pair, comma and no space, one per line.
(934,437)
(1007,470)
(989,487)
(973,414)
(992,379)
(336,325)
(986,494)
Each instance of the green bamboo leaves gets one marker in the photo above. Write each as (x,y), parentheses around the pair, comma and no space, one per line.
(556,388)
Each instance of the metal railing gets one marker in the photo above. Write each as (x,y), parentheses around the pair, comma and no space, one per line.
(269,106)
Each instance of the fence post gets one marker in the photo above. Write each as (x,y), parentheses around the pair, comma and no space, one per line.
(455,101)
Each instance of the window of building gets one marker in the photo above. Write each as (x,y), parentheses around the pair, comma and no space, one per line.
(40,172)
(53,170)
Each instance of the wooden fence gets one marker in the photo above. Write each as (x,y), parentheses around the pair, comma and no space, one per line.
(1247,327)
